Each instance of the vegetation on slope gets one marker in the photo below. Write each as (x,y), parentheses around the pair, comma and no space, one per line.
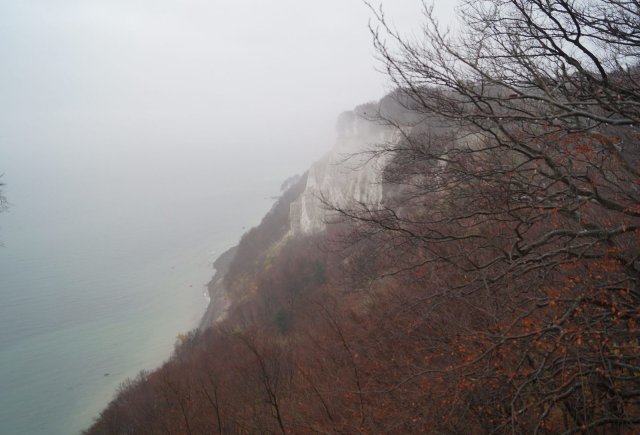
(496,289)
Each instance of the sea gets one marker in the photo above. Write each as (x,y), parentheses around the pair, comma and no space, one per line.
(104,258)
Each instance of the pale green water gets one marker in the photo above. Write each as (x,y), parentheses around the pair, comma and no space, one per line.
(98,277)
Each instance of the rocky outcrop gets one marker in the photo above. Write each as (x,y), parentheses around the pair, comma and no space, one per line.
(351,171)
(218,300)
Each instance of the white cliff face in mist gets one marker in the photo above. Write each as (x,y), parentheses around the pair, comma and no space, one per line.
(349,172)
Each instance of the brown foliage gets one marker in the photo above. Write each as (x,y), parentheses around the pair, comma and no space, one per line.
(495,290)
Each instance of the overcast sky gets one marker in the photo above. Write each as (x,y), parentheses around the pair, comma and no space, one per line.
(230,77)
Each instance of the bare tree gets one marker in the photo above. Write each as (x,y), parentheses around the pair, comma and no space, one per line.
(520,184)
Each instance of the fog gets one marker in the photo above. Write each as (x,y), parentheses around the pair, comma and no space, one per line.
(128,99)
(180,83)
(138,140)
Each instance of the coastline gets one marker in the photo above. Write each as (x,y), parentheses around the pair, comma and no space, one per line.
(218,302)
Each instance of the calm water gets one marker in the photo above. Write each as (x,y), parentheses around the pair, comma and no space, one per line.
(104,262)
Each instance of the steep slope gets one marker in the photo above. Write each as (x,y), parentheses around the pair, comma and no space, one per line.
(351,171)
(416,317)
(262,284)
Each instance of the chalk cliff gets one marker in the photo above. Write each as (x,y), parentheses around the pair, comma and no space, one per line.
(351,171)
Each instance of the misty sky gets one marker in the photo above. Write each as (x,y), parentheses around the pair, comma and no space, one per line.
(85,83)
(138,139)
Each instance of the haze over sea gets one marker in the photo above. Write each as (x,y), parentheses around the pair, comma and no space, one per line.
(138,140)
(107,251)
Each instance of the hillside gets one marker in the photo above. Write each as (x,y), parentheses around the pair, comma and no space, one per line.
(465,260)
(264,294)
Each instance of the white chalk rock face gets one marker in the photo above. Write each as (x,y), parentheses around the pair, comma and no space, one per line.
(348,173)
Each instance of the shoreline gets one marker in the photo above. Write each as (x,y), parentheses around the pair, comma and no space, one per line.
(218,301)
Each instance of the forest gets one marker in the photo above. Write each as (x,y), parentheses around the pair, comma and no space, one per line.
(495,289)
